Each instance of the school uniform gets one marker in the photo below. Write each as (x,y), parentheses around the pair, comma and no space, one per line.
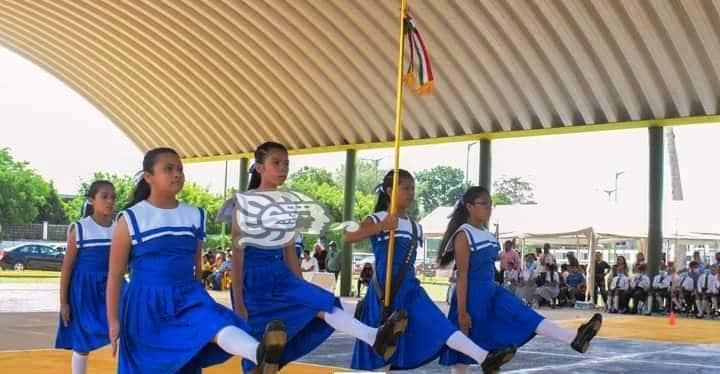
(499,319)
(659,292)
(639,292)
(619,288)
(427,330)
(167,318)
(87,329)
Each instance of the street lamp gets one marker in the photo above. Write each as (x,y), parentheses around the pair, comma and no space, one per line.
(376,164)
(617,175)
(467,160)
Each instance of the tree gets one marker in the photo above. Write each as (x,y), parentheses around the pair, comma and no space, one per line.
(439,186)
(513,190)
(22,191)
(367,177)
(197,195)
(310,175)
(53,211)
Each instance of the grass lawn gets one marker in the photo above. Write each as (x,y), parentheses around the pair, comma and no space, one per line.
(29,276)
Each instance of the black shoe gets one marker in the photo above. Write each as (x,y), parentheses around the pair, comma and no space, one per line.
(271,349)
(586,332)
(497,358)
(387,336)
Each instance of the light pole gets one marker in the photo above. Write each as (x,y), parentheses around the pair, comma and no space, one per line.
(376,164)
(617,175)
(467,160)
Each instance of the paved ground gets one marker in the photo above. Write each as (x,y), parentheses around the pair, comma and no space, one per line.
(28,320)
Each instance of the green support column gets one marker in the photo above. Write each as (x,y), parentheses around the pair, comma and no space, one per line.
(655,236)
(243,179)
(485,164)
(350,173)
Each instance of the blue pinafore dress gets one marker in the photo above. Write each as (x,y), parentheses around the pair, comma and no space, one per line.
(428,329)
(167,318)
(87,329)
(499,318)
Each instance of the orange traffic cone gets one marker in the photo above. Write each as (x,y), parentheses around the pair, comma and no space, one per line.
(672,319)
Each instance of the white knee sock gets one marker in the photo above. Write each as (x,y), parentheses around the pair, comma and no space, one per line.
(461,343)
(714,302)
(79,363)
(342,321)
(459,369)
(700,306)
(384,369)
(649,304)
(237,342)
(616,303)
(551,329)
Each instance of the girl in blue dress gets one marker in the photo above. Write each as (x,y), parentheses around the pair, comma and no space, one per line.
(428,329)
(167,322)
(268,284)
(83,325)
(490,315)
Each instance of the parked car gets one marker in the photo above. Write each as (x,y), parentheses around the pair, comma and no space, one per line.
(31,256)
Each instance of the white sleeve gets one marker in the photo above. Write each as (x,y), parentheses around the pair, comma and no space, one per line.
(316,266)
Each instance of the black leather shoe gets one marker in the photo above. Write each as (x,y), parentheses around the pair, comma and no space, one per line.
(586,332)
(497,358)
(387,336)
(271,349)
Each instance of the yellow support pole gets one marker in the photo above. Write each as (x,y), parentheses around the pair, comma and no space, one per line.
(398,135)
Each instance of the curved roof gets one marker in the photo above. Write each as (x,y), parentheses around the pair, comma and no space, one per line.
(216,78)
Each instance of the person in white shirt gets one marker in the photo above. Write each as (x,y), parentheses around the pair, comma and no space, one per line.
(547,259)
(659,292)
(639,289)
(510,278)
(619,288)
(548,285)
(309,263)
(707,289)
(525,289)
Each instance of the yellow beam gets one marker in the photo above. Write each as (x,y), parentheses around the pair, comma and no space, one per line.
(574,129)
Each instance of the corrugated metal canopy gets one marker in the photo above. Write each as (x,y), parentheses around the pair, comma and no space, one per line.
(219,77)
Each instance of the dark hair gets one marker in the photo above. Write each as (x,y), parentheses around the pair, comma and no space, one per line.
(508,243)
(546,246)
(458,218)
(261,153)
(142,188)
(694,264)
(94,188)
(383,198)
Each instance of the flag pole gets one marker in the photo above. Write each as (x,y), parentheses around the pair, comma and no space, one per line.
(398,134)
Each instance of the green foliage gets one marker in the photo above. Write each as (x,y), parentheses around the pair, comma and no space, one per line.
(368,176)
(439,186)
(215,241)
(501,199)
(23,193)
(197,195)
(53,210)
(514,189)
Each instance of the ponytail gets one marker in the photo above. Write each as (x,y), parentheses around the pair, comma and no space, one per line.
(142,188)
(140,193)
(255,178)
(458,217)
(261,153)
(86,209)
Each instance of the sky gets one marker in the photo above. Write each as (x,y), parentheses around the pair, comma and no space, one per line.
(66,139)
